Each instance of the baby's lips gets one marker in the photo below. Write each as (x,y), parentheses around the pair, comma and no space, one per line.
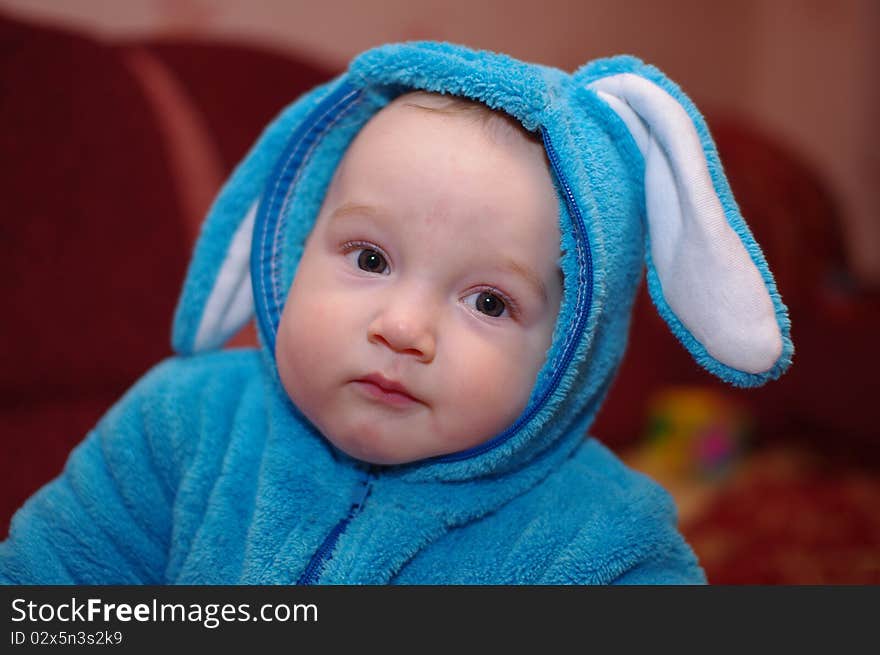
(388,386)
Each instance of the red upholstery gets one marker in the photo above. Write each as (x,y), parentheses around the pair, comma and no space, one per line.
(97,226)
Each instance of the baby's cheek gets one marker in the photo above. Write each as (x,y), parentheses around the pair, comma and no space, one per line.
(299,350)
(488,393)
(306,325)
(287,359)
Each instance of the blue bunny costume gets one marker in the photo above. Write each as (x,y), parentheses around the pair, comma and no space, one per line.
(205,473)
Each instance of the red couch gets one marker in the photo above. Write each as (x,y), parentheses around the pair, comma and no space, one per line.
(112,152)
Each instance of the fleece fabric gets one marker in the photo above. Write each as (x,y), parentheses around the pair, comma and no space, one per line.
(206,473)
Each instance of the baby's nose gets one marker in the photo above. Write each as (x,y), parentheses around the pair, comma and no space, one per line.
(405,332)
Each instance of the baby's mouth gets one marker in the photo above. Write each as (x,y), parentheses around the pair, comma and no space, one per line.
(389,392)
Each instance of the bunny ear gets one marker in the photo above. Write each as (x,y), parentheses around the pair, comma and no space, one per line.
(706,273)
(217,297)
(230,303)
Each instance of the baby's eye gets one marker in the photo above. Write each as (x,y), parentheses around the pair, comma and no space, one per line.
(372,261)
(488,303)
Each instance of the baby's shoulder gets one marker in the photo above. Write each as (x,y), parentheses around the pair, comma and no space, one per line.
(592,521)
(597,482)
(193,371)
(597,519)
(232,360)
(594,492)
(182,386)
(183,402)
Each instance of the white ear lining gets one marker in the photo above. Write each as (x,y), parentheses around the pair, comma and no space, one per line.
(231,303)
(709,281)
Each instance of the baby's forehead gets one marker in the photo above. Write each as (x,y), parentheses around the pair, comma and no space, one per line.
(497,124)
(447,159)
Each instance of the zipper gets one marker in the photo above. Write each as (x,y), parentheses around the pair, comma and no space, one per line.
(316,565)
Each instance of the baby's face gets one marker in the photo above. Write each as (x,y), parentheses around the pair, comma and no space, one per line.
(427,293)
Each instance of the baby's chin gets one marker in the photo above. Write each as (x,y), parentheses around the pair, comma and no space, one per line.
(379,449)
(375,437)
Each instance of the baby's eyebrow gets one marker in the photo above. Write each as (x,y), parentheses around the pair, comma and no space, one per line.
(352,209)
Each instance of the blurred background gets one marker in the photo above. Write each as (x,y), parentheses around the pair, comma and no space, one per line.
(120,120)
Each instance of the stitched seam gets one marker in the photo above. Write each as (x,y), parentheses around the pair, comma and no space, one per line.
(264,246)
(285,203)
(582,281)
(573,211)
(282,221)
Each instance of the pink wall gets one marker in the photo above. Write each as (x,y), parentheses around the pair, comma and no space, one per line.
(801,69)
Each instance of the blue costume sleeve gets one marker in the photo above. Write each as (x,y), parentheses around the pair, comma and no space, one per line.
(668,561)
(625,528)
(107,518)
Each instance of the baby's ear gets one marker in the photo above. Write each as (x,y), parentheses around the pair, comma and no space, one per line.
(706,274)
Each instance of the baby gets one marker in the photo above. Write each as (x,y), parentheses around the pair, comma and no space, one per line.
(441,249)
(426,297)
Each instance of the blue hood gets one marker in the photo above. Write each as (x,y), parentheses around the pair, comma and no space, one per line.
(639,185)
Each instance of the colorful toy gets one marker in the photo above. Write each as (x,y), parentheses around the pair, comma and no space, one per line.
(695,432)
